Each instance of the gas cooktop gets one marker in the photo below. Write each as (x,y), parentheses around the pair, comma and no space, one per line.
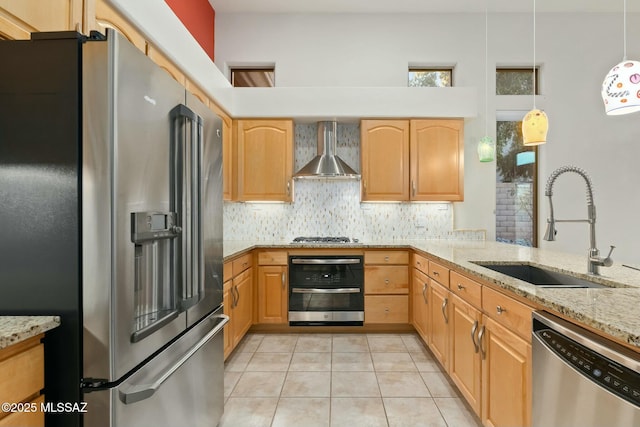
(317,239)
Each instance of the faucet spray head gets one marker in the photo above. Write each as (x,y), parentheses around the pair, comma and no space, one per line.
(550,234)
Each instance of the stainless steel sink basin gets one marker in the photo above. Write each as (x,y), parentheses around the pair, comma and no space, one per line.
(540,276)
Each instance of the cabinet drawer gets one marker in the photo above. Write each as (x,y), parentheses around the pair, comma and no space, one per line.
(467,289)
(439,273)
(227,271)
(26,419)
(242,263)
(273,258)
(420,263)
(386,257)
(22,374)
(508,312)
(386,279)
(386,309)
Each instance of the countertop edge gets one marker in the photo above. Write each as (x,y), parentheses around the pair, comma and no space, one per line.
(15,329)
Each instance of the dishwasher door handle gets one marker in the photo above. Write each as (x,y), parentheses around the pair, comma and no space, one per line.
(325,291)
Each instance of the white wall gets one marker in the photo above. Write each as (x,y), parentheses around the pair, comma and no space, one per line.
(574,52)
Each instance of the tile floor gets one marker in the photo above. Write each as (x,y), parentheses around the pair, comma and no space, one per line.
(338,380)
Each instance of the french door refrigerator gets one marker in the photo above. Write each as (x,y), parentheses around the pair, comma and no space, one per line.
(111,213)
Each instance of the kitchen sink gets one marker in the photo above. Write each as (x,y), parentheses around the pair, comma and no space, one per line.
(541,276)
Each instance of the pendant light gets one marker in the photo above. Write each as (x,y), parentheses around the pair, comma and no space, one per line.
(486,145)
(535,123)
(621,86)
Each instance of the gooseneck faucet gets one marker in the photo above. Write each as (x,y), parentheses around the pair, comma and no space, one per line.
(594,259)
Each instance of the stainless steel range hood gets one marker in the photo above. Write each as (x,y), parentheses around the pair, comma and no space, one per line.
(327,164)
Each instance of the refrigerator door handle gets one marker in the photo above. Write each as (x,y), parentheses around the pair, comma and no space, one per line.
(187,196)
(138,392)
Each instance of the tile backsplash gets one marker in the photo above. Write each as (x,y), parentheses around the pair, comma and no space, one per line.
(325,207)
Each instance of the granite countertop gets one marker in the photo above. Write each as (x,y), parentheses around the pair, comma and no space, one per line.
(14,329)
(611,310)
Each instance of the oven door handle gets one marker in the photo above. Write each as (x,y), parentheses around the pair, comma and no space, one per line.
(325,261)
(325,291)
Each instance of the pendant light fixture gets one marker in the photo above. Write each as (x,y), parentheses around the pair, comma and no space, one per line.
(486,145)
(535,123)
(621,86)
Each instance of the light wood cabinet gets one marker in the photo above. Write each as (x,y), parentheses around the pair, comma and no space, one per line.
(106,16)
(439,314)
(384,154)
(238,299)
(464,351)
(21,379)
(437,160)
(264,160)
(18,19)
(228,300)
(506,377)
(273,289)
(412,160)
(419,303)
(386,287)
(166,64)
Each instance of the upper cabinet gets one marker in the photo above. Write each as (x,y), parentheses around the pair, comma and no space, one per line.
(263,160)
(19,18)
(412,160)
(107,17)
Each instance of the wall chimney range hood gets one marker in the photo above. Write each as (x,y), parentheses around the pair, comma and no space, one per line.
(327,164)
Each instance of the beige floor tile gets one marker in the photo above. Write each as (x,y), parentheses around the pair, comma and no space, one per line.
(456,413)
(402,384)
(424,362)
(354,384)
(248,412)
(438,384)
(393,362)
(314,343)
(360,412)
(230,380)
(302,412)
(350,344)
(278,344)
(259,384)
(413,412)
(307,384)
(351,362)
(412,342)
(386,343)
(249,343)
(237,362)
(268,362)
(310,362)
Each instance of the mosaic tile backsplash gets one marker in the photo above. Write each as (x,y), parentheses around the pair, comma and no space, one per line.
(324,207)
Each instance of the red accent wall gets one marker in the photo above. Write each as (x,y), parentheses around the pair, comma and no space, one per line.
(198,17)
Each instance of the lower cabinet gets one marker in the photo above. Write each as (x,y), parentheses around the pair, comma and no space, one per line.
(386,308)
(273,297)
(386,287)
(237,298)
(439,323)
(419,303)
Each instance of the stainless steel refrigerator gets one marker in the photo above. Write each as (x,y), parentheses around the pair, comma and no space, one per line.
(111,213)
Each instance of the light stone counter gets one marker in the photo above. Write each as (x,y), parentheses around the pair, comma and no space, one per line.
(14,329)
(612,310)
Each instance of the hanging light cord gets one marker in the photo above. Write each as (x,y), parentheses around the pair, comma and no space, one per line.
(624,30)
(486,72)
(534,54)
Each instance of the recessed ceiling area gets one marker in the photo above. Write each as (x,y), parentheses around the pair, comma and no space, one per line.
(418,6)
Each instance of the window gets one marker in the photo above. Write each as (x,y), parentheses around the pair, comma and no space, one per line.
(430,77)
(516,183)
(253,77)
(516,81)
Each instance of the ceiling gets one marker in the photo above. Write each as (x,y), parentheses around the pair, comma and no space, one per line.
(418,6)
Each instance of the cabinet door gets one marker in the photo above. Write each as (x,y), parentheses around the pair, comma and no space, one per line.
(272,294)
(163,62)
(243,310)
(439,320)
(437,160)
(107,17)
(384,154)
(464,360)
(386,309)
(227,156)
(227,301)
(19,18)
(264,160)
(506,377)
(419,300)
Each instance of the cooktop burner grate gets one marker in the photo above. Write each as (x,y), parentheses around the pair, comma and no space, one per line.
(317,239)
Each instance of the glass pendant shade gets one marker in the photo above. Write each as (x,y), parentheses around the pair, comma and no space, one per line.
(621,89)
(486,149)
(534,128)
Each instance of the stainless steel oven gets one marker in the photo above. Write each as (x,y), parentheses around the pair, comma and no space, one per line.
(326,290)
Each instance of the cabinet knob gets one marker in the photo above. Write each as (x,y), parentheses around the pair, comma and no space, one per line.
(386,259)
(460,287)
(386,281)
(500,310)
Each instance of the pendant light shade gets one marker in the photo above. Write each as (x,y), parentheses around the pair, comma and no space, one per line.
(621,89)
(486,149)
(534,128)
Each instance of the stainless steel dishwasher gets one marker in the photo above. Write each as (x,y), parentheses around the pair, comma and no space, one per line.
(581,379)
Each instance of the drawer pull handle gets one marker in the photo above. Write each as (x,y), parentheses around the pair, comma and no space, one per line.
(424,293)
(386,259)
(284,280)
(460,287)
(435,273)
(474,328)
(500,310)
(445,302)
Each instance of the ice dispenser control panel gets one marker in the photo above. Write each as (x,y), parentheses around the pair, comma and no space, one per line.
(147,226)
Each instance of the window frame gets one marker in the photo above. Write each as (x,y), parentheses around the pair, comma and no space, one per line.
(433,68)
(264,69)
(529,69)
